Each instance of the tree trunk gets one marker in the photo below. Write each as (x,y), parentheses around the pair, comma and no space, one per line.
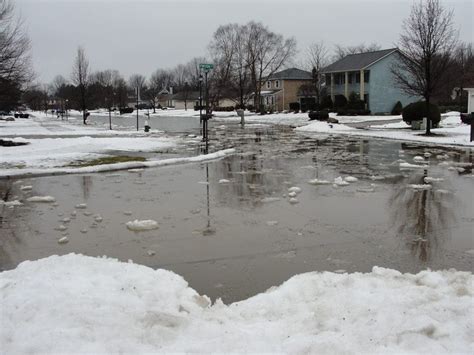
(428,118)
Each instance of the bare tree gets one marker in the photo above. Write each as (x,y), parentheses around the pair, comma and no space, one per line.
(105,81)
(120,90)
(268,52)
(342,51)
(241,69)
(15,67)
(426,43)
(222,49)
(318,59)
(464,64)
(80,78)
(137,81)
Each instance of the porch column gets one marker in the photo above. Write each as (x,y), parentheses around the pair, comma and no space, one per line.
(332,87)
(346,85)
(362,84)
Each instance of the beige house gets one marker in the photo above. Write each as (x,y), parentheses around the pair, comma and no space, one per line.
(286,86)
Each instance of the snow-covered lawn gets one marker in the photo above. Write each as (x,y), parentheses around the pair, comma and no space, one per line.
(451,131)
(79,304)
(54,146)
(56,152)
(47,126)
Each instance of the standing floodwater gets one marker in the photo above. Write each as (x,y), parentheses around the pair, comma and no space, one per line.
(236,226)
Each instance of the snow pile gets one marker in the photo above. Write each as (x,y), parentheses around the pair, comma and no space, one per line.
(145,225)
(74,303)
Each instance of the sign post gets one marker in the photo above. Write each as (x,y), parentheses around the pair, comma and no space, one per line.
(205,137)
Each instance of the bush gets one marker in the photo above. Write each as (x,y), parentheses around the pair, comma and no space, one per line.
(126,110)
(355,102)
(417,110)
(340,101)
(224,108)
(318,115)
(326,102)
(397,109)
(294,106)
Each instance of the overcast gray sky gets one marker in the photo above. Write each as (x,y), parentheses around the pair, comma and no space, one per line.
(140,36)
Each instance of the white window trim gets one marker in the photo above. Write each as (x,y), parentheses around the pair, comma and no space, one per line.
(277,84)
(269,84)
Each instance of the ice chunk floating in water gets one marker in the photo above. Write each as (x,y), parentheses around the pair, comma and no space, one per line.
(144,225)
(41,199)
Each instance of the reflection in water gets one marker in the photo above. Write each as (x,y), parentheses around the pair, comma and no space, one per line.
(422,216)
(10,242)
(86,186)
(208,230)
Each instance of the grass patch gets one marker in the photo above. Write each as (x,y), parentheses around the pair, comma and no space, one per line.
(107,160)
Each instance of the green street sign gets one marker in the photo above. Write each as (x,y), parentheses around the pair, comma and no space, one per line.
(206,66)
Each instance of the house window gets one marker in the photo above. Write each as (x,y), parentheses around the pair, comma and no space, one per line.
(366,76)
(277,84)
(358,78)
(350,78)
(269,85)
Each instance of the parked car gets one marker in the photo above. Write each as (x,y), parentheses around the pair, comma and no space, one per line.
(21,115)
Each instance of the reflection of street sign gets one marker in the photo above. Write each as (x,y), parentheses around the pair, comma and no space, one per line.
(206,67)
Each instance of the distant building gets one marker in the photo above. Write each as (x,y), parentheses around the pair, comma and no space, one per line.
(470,97)
(185,100)
(369,76)
(286,86)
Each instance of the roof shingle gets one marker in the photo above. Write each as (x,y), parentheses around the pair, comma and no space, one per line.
(291,74)
(357,61)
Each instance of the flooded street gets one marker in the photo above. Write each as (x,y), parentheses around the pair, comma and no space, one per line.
(230,228)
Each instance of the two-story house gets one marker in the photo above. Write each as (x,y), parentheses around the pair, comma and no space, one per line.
(283,87)
(369,76)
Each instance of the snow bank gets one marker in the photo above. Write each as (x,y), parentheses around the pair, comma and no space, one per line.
(9,173)
(74,303)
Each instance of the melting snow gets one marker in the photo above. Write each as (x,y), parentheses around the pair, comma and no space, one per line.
(318,182)
(41,199)
(144,225)
(101,305)
(339,181)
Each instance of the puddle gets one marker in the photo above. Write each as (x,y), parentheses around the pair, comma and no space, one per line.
(228,226)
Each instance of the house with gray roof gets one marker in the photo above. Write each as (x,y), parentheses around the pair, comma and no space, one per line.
(369,76)
(286,86)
